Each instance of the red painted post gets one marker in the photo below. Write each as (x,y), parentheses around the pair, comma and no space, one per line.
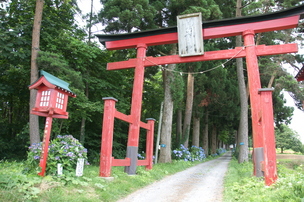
(270,168)
(136,104)
(107,137)
(149,143)
(254,86)
(45,146)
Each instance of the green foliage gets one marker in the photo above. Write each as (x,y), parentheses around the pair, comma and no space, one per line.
(178,89)
(127,15)
(15,39)
(16,186)
(240,185)
(63,150)
(282,114)
(209,9)
(286,138)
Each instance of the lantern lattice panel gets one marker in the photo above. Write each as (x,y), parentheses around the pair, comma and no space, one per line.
(45,98)
(60,101)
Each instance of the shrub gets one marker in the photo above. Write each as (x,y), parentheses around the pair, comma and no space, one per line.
(63,149)
(141,156)
(220,151)
(194,154)
(197,153)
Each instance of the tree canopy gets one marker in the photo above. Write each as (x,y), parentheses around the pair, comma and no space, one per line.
(286,138)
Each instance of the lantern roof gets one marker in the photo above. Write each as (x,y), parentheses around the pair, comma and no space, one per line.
(300,75)
(51,81)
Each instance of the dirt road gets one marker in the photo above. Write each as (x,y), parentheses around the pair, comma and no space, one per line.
(201,183)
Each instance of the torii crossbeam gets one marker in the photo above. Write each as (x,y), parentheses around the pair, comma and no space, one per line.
(260,99)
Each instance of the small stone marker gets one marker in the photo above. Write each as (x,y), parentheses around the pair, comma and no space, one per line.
(59,169)
(79,167)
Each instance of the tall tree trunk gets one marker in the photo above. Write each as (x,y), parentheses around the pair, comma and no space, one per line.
(205,143)
(243,124)
(196,131)
(213,140)
(34,121)
(166,129)
(188,110)
(82,130)
(179,127)
(83,120)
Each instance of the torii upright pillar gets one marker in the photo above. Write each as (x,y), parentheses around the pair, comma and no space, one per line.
(264,154)
(254,86)
(138,83)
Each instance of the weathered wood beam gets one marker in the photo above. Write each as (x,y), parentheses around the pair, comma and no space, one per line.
(238,52)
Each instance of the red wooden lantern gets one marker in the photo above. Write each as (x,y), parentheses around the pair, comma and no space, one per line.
(52,96)
(51,102)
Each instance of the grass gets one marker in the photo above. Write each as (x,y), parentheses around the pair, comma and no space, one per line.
(16,186)
(240,185)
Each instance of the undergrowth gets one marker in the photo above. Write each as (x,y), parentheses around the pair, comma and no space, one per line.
(17,185)
(240,185)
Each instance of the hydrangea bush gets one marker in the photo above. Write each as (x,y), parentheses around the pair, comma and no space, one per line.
(221,151)
(63,149)
(141,156)
(192,154)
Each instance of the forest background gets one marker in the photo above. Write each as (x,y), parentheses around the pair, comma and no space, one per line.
(68,52)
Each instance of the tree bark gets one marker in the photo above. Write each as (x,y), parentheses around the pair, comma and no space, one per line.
(82,131)
(179,128)
(83,120)
(213,140)
(188,110)
(196,131)
(243,124)
(166,129)
(34,121)
(205,143)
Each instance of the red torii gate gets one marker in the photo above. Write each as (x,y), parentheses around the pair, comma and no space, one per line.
(260,99)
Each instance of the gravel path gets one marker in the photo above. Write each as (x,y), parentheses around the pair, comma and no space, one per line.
(202,183)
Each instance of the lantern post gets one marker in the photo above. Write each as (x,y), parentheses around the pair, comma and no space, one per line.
(51,102)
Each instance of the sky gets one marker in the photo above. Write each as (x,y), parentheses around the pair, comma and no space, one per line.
(298,115)
(85,6)
(297,119)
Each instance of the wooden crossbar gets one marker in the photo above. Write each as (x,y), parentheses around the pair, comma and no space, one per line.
(238,52)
